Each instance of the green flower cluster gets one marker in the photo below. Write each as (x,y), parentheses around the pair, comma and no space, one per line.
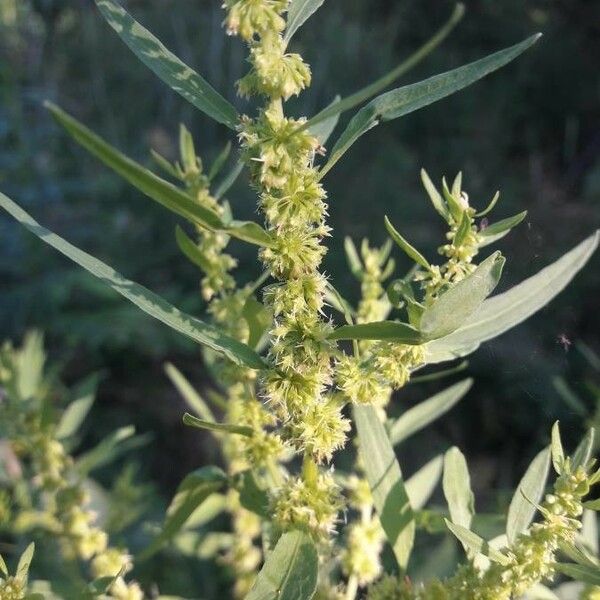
(529,560)
(464,238)
(63,501)
(280,157)
(215,263)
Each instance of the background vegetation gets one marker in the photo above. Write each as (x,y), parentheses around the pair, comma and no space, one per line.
(532,130)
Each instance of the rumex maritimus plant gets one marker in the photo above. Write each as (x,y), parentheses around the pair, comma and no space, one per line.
(291,381)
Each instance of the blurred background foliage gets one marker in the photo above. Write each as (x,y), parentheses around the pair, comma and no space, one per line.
(532,130)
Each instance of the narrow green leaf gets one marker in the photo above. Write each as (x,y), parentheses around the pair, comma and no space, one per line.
(290,570)
(229,180)
(74,416)
(386,80)
(25,562)
(420,486)
(503,226)
(502,312)
(456,306)
(190,249)
(583,453)
(299,11)
(188,393)
(191,493)
(407,99)
(154,187)
(109,449)
(435,196)
(323,130)
(530,490)
(387,486)
(585,574)
(353,259)
(143,298)
(382,330)
(426,412)
(475,544)
(463,229)
(457,488)
(411,251)
(177,75)
(219,427)
(556,447)
(221,159)
(589,530)
(490,206)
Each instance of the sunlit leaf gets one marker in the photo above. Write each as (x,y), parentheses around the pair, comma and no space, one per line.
(529,492)
(392,331)
(177,75)
(426,412)
(585,574)
(455,306)
(502,312)
(387,486)
(407,99)
(475,544)
(299,11)
(386,80)
(154,187)
(457,488)
(188,393)
(290,570)
(146,300)
(420,486)
(410,250)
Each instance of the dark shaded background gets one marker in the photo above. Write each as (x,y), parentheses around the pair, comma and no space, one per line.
(531,130)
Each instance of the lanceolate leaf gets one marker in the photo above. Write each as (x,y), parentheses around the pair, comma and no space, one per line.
(457,488)
(74,416)
(503,226)
(190,249)
(218,427)
(387,486)
(380,330)
(502,312)
(585,574)
(378,86)
(188,393)
(412,252)
(426,412)
(528,494)
(323,129)
(154,187)
(177,75)
(290,571)
(583,453)
(475,544)
(192,492)
(421,485)
(455,306)
(143,298)
(299,12)
(407,99)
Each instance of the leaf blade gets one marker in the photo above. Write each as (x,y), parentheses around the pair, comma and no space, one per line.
(193,421)
(147,301)
(379,330)
(387,485)
(530,490)
(503,311)
(299,11)
(456,483)
(290,570)
(429,410)
(177,75)
(407,99)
